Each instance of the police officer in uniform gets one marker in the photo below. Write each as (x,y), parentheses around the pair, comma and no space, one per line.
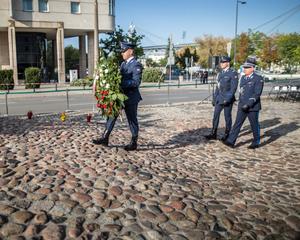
(131,71)
(249,105)
(224,97)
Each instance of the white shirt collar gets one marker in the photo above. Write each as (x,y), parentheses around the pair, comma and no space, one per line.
(249,76)
(225,69)
(129,59)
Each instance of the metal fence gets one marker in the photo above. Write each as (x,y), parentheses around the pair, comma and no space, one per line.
(65,98)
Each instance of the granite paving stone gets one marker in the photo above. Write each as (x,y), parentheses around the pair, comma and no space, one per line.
(56,184)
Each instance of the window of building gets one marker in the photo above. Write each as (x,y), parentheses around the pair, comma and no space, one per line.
(75,7)
(27,5)
(112,7)
(43,6)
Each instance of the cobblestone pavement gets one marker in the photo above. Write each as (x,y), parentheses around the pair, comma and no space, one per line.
(55,184)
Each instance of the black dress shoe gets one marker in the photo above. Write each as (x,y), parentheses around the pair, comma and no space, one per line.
(211,136)
(101,141)
(224,138)
(228,144)
(132,145)
(253,146)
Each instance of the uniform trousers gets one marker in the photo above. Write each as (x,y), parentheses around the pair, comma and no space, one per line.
(227,115)
(131,115)
(240,118)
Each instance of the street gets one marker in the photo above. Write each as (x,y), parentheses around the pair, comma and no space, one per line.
(55,102)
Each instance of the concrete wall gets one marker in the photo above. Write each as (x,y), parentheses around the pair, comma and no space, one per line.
(60,11)
(4,14)
(4,58)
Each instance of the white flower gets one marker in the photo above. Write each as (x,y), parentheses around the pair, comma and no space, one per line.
(107,86)
(97,77)
(106,70)
(103,81)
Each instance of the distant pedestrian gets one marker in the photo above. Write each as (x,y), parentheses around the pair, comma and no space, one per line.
(205,77)
(201,76)
(251,86)
(131,71)
(224,98)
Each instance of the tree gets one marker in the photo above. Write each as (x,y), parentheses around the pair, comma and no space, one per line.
(151,63)
(71,58)
(163,62)
(256,40)
(288,50)
(210,46)
(269,52)
(50,61)
(168,49)
(111,45)
(297,56)
(243,49)
(184,53)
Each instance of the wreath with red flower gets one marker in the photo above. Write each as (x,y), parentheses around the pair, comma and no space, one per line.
(107,80)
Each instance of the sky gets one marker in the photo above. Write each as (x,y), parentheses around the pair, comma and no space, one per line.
(187,20)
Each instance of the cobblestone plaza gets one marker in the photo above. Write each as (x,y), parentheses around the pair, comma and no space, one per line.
(55,184)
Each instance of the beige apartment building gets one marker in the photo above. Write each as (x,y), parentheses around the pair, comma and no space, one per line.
(27,27)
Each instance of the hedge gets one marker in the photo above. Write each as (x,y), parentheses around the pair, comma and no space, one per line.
(7,79)
(152,75)
(32,77)
(85,82)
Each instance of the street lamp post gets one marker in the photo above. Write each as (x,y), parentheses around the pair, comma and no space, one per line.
(96,34)
(236,24)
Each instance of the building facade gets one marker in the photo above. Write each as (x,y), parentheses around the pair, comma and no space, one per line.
(158,52)
(26,26)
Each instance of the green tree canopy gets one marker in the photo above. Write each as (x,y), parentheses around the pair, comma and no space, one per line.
(242,49)
(288,50)
(269,52)
(111,45)
(71,58)
(184,53)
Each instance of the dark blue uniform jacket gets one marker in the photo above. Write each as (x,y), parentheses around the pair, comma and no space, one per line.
(226,87)
(250,91)
(131,80)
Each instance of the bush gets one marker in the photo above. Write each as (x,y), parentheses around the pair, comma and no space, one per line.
(152,75)
(85,82)
(32,77)
(6,79)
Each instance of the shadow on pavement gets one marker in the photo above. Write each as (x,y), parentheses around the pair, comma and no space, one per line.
(273,134)
(191,137)
(263,124)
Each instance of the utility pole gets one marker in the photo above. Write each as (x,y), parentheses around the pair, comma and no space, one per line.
(236,25)
(191,69)
(171,61)
(96,34)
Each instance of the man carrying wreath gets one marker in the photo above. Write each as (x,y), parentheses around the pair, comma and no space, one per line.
(131,72)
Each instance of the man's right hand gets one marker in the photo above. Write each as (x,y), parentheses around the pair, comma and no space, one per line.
(245,108)
(225,103)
